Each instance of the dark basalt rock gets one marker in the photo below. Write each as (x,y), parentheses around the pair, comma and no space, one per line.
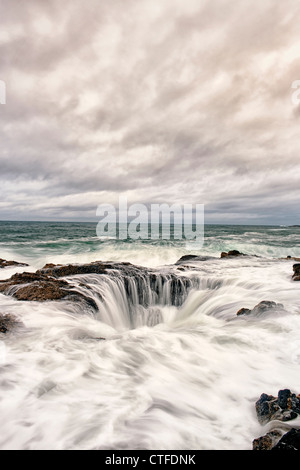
(268,441)
(285,407)
(290,441)
(8,322)
(231,254)
(141,284)
(263,307)
(296,269)
(5,264)
(188,258)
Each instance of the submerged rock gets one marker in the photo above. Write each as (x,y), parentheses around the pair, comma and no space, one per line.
(5,264)
(188,258)
(231,254)
(285,407)
(296,269)
(262,307)
(8,322)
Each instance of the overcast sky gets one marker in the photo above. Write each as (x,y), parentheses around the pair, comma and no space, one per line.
(163,101)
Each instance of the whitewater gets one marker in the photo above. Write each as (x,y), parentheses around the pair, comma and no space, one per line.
(151,374)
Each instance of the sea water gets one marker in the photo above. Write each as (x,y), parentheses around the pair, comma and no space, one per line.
(188,379)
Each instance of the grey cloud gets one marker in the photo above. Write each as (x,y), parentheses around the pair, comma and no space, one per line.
(163,101)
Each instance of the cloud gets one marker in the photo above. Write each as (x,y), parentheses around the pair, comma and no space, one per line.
(165,101)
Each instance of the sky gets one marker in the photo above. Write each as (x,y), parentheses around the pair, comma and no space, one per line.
(159,101)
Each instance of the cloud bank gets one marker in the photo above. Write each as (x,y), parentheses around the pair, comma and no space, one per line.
(162,101)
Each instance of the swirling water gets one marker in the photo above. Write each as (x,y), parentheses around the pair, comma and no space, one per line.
(166,376)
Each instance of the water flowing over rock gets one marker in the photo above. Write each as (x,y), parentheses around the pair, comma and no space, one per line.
(283,408)
(231,254)
(40,287)
(290,441)
(296,269)
(133,286)
(8,322)
(261,308)
(193,258)
(5,264)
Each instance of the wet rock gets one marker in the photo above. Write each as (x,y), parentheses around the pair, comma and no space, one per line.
(40,287)
(283,408)
(188,258)
(291,258)
(5,264)
(296,269)
(268,441)
(244,311)
(42,291)
(261,308)
(49,265)
(8,322)
(142,285)
(266,408)
(231,254)
(290,441)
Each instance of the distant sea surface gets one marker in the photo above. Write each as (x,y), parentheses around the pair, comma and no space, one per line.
(40,242)
(186,381)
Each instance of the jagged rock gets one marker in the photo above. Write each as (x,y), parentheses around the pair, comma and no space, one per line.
(290,441)
(8,322)
(266,408)
(5,264)
(296,269)
(142,285)
(283,408)
(232,253)
(262,307)
(268,441)
(40,287)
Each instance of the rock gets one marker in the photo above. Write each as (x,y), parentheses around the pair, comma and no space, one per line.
(49,265)
(97,267)
(268,441)
(6,264)
(142,285)
(244,311)
(232,253)
(266,408)
(40,287)
(290,441)
(8,322)
(187,258)
(296,269)
(283,408)
(261,308)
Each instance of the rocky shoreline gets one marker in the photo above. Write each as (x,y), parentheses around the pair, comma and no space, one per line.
(54,283)
(47,284)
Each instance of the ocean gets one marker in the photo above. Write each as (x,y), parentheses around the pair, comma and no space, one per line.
(166,375)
